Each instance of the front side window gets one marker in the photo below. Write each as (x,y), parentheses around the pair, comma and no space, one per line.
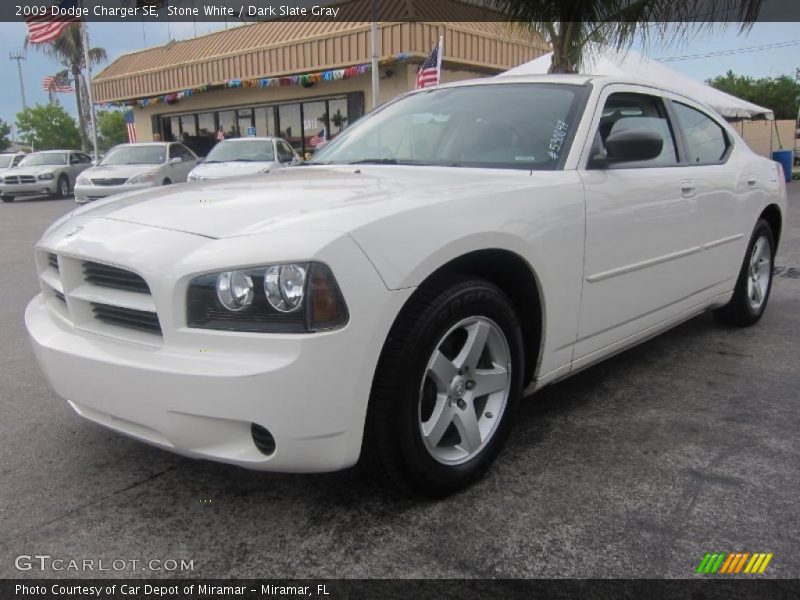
(6,161)
(135,155)
(625,112)
(706,142)
(285,153)
(518,126)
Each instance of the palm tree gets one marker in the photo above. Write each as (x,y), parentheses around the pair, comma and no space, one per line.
(67,49)
(570,27)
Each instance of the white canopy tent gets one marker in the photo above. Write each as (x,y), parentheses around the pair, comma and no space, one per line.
(607,61)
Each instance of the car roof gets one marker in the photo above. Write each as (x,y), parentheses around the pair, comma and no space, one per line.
(250,138)
(147,144)
(56,151)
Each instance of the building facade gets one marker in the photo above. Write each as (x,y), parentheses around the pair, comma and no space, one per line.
(296,79)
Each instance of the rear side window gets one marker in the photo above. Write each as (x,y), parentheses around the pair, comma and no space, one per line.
(706,141)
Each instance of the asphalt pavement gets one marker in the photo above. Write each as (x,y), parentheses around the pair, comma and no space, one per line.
(637,467)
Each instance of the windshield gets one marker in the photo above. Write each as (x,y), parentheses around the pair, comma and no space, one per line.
(5,161)
(518,126)
(135,155)
(242,151)
(49,158)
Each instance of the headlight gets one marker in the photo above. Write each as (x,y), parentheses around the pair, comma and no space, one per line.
(83,181)
(45,176)
(282,298)
(235,290)
(143,178)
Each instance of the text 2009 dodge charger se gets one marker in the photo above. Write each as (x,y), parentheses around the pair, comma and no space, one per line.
(392,300)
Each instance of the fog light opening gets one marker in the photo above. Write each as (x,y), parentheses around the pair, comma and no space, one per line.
(263,439)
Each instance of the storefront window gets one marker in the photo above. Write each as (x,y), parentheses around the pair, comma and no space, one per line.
(291,125)
(304,125)
(315,124)
(337,116)
(205,124)
(245,120)
(265,121)
(227,123)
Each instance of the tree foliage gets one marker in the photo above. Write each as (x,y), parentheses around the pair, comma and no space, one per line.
(5,135)
(111,129)
(48,127)
(67,49)
(570,26)
(780,94)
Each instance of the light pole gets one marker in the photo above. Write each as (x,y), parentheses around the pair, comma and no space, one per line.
(19,57)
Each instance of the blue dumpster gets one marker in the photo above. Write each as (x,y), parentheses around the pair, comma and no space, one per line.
(785,158)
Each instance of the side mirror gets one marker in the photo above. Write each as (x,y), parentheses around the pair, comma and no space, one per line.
(199,159)
(631,145)
(176,160)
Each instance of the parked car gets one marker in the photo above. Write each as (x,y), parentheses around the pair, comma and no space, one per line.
(245,156)
(391,301)
(131,167)
(50,172)
(797,153)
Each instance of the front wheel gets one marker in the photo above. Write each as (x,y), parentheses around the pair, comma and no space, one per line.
(754,284)
(7,198)
(62,187)
(447,385)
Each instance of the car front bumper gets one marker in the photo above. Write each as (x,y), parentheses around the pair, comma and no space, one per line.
(39,188)
(90,193)
(199,391)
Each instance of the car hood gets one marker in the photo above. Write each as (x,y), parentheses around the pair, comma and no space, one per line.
(35,170)
(230,169)
(310,198)
(118,171)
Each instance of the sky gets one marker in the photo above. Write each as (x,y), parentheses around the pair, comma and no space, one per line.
(120,38)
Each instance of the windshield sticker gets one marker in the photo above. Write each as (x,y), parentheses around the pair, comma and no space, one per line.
(557,141)
(526,158)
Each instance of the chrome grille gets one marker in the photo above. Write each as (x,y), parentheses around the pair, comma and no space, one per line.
(114,277)
(109,181)
(11,179)
(27,179)
(52,260)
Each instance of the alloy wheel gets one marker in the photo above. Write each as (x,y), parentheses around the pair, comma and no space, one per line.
(464,390)
(759,273)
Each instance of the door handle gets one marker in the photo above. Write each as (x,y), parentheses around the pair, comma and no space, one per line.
(687,187)
(751,180)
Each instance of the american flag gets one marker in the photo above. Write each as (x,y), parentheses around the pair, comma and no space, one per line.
(430,71)
(46,28)
(130,125)
(58,84)
(318,138)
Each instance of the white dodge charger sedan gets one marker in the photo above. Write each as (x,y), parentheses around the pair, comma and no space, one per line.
(391,302)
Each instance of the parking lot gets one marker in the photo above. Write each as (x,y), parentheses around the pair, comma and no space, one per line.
(637,467)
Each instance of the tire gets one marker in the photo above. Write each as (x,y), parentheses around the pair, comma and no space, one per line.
(167,181)
(753,287)
(7,198)
(62,187)
(407,394)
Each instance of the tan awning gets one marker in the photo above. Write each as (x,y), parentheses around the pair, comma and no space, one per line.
(279,48)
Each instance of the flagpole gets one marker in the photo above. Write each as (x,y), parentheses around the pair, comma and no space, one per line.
(439,60)
(85,38)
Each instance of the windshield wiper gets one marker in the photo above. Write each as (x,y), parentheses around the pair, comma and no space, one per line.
(375,161)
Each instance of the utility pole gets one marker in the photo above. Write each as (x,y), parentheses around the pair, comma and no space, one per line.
(19,57)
